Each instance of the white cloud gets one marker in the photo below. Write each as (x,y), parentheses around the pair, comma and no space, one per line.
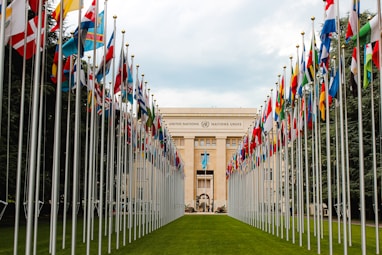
(210,53)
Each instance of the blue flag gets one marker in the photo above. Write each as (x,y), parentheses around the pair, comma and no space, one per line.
(205,160)
(70,46)
(89,42)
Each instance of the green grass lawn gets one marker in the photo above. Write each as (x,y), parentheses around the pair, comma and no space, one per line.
(193,234)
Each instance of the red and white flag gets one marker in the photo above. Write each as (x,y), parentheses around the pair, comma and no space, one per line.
(268,116)
(17,41)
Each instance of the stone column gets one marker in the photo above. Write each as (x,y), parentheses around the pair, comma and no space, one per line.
(189,171)
(220,192)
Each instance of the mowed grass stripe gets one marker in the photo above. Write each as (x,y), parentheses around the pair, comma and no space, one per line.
(192,234)
(211,234)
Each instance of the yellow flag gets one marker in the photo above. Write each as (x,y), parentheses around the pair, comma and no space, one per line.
(69,5)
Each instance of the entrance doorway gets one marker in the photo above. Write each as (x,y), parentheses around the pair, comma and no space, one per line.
(204,190)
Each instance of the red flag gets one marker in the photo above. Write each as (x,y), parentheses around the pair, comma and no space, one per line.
(122,73)
(18,39)
(34,4)
(375,55)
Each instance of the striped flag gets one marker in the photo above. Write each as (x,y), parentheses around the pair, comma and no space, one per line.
(353,20)
(68,6)
(106,61)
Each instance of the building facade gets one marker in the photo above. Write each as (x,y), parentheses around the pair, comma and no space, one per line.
(212,135)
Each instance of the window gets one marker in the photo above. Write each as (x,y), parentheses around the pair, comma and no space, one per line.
(179,141)
(204,183)
(205,142)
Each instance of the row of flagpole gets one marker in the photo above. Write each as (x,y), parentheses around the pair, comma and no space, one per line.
(275,181)
(130,178)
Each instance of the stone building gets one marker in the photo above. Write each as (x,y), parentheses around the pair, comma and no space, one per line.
(215,132)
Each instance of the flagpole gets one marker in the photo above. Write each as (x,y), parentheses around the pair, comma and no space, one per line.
(37,195)
(380,74)
(346,163)
(380,89)
(306,92)
(91,172)
(315,157)
(112,144)
(131,161)
(118,189)
(361,153)
(67,152)
(286,159)
(337,165)
(2,54)
(77,146)
(21,128)
(328,163)
(375,177)
(34,125)
(292,151)
(102,164)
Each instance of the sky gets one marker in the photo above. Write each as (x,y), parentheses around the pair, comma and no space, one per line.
(215,53)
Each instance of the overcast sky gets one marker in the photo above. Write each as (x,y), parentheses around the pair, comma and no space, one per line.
(215,53)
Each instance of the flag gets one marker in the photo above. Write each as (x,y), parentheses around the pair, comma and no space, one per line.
(354,73)
(375,55)
(327,29)
(279,108)
(257,134)
(137,95)
(353,20)
(300,124)
(68,5)
(368,32)
(294,131)
(17,41)
(367,68)
(268,117)
(122,72)
(301,71)
(310,111)
(98,35)
(53,76)
(322,101)
(82,75)
(14,19)
(205,160)
(142,103)
(67,73)
(312,63)
(106,61)
(334,84)
(88,21)
(330,18)
(149,120)
(324,51)
(322,105)
(34,5)
(130,84)
(153,116)
(294,84)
